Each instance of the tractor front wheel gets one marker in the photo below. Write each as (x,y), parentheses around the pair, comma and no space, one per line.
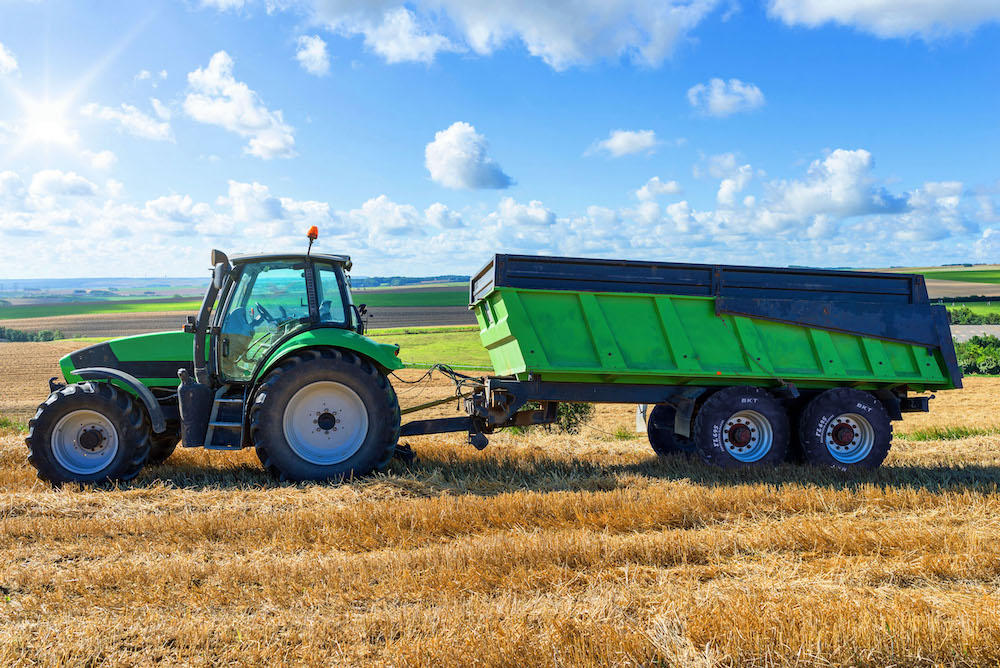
(325,414)
(88,433)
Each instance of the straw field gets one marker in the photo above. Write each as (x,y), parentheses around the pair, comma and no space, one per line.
(542,550)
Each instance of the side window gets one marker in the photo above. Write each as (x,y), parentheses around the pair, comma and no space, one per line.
(329,296)
(269,302)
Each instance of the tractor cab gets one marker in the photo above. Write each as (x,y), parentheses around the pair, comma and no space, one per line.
(266,299)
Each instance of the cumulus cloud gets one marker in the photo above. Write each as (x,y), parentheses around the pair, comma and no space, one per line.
(439,215)
(724,98)
(563,33)
(217,98)
(399,39)
(312,55)
(655,187)
(100,159)
(457,159)
(532,214)
(161,110)
(889,18)
(131,120)
(8,63)
(626,142)
(56,183)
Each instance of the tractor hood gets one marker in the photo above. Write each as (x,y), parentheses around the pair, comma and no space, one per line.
(152,358)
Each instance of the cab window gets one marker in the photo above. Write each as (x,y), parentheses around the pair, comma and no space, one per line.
(268,303)
(328,294)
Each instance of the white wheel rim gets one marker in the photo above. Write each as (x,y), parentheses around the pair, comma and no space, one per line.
(747,436)
(325,423)
(84,442)
(849,437)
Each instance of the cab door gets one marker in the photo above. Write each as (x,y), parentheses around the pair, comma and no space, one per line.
(269,302)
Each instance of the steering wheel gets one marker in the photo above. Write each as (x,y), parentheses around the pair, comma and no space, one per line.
(263,312)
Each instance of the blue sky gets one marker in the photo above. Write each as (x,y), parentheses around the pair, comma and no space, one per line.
(423,137)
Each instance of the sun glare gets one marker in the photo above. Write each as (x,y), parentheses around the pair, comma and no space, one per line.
(46,122)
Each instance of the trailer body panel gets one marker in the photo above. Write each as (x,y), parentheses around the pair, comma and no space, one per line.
(674,324)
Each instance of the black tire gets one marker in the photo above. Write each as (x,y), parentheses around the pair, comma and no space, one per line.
(116,406)
(162,446)
(871,436)
(311,366)
(660,430)
(714,426)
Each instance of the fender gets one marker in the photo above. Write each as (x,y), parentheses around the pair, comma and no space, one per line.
(158,422)
(382,354)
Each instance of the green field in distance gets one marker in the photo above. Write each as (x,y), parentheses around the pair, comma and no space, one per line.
(972,276)
(373,298)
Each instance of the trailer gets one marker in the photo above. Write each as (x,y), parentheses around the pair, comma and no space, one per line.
(747,366)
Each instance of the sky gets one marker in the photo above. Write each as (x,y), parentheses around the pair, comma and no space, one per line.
(421,138)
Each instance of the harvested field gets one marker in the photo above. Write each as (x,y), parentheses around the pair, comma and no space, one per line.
(940,288)
(26,369)
(544,549)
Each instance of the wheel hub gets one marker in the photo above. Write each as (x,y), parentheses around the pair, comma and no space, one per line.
(843,434)
(91,439)
(740,435)
(326,421)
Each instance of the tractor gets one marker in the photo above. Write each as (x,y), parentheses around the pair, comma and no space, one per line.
(281,364)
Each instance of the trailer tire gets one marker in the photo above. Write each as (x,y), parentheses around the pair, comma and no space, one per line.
(742,427)
(89,432)
(845,429)
(660,430)
(356,416)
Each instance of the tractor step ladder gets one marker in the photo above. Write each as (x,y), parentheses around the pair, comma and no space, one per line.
(225,426)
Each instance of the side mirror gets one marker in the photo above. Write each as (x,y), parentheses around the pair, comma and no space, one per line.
(362,308)
(218,256)
(220,274)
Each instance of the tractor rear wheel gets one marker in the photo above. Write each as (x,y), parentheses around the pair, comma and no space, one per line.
(742,427)
(324,414)
(660,429)
(88,433)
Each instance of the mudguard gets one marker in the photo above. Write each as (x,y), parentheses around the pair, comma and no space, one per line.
(156,419)
(384,355)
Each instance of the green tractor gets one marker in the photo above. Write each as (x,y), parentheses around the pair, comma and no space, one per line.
(282,365)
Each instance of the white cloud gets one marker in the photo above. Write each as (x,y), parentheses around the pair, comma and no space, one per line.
(563,33)
(730,186)
(655,187)
(162,110)
(399,39)
(457,159)
(224,5)
(439,215)
(56,183)
(217,98)
(8,63)
(890,18)
(532,214)
(143,75)
(312,55)
(131,120)
(724,98)
(100,159)
(626,142)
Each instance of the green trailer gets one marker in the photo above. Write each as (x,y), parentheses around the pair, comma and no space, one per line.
(746,365)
